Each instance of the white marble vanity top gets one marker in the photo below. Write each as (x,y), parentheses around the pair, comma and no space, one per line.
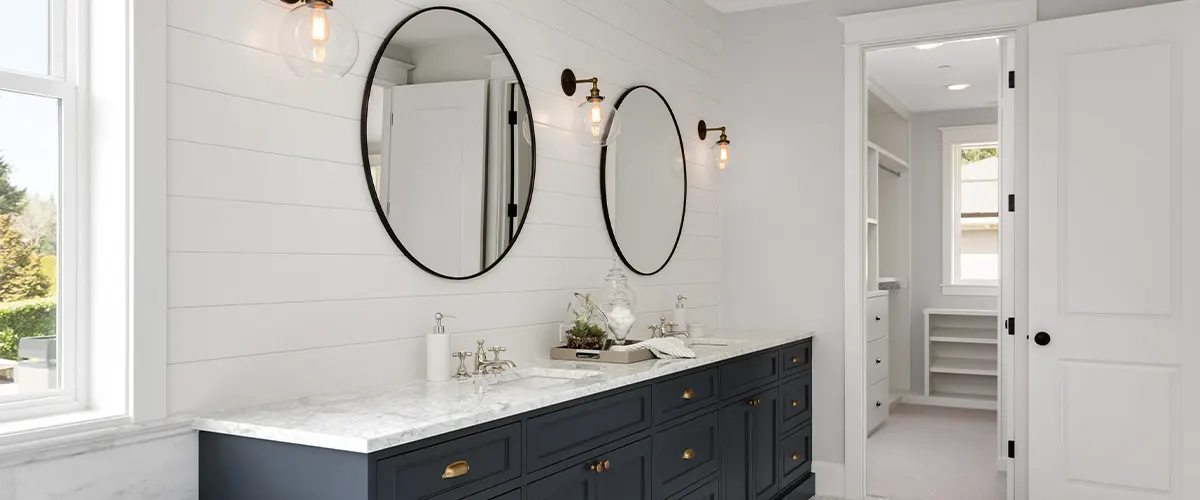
(373,419)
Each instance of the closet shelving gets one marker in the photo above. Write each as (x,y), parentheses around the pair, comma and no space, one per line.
(962,358)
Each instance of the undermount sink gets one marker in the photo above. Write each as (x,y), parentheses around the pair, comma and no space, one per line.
(711,342)
(540,378)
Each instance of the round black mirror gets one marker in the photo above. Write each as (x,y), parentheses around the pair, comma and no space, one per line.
(643,182)
(447,144)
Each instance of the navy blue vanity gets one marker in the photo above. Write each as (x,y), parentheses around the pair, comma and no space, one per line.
(735,429)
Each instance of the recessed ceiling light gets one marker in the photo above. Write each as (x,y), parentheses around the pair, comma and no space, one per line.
(958,86)
(944,66)
(929,46)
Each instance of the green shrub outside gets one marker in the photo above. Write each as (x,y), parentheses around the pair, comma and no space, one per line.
(26,318)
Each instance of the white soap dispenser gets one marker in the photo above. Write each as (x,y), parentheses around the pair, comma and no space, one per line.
(680,314)
(437,352)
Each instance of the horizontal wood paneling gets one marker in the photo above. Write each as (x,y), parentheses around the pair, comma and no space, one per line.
(283,283)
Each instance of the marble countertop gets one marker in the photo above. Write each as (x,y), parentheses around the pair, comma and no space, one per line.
(373,419)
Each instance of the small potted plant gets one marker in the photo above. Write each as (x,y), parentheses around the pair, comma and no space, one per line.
(584,330)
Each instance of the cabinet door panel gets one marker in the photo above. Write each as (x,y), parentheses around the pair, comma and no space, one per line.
(626,474)
(736,420)
(575,483)
(765,469)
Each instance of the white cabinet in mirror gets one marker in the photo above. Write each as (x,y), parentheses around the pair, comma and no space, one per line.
(644,182)
(447,155)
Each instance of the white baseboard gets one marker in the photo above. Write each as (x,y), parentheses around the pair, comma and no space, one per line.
(831,478)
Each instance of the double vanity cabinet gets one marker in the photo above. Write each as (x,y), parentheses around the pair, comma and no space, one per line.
(733,424)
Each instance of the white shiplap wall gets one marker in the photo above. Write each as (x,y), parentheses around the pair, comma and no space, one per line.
(282,282)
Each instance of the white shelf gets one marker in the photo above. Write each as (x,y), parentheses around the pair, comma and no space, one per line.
(888,159)
(964,366)
(956,395)
(961,312)
(872,221)
(964,335)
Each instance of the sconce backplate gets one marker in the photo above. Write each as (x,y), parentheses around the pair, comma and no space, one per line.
(568,82)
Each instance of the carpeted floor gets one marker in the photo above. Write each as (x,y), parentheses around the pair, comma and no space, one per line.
(933,453)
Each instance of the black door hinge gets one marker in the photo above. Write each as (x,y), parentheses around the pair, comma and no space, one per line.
(1012,79)
(1012,203)
(512,209)
(1011,325)
(1012,449)
(512,117)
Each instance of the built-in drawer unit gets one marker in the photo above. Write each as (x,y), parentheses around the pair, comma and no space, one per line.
(488,495)
(454,469)
(685,454)
(796,397)
(678,396)
(877,404)
(796,358)
(749,373)
(877,360)
(565,433)
(797,454)
(710,490)
(877,317)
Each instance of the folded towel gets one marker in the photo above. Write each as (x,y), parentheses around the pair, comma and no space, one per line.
(663,348)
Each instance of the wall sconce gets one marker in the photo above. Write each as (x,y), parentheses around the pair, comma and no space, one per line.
(599,123)
(721,148)
(317,41)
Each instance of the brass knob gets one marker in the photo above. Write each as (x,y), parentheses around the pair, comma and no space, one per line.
(795,403)
(456,469)
(606,465)
(688,394)
(755,402)
(795,359)
(689,454)
(596,468)
(795,457)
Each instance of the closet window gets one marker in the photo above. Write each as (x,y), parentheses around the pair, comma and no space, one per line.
(972,206)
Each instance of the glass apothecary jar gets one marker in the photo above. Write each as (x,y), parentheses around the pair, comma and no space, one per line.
(619,303)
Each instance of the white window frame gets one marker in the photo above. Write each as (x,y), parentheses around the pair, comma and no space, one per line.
(954,139)
(112,302)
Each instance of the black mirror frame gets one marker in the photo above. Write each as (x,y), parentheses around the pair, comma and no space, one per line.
(366,157)
(612,236)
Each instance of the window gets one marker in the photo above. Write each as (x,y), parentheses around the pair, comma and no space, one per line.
(39,128)
(972,210)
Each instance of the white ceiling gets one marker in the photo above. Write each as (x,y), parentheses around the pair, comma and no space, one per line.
(915,77)
(739,5)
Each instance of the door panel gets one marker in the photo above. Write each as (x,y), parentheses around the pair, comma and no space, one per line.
(575,483)
(735,451)
(1113,235)
(626,473)
(765,468)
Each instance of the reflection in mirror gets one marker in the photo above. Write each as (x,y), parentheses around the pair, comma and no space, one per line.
(451,169)
(644,192)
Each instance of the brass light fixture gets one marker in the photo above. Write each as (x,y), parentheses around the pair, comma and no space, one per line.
(599,123)
(316,41)
(721,148)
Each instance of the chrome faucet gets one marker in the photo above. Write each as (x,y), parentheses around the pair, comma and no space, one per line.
(495,365)
(665,328)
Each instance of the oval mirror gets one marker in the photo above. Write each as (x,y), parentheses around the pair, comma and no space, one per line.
(448,153)
(643,184)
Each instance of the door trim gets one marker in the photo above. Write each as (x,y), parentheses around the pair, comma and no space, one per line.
(862,33)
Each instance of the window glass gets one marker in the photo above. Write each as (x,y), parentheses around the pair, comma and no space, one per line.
(25,24)
(30,163)
(979,217)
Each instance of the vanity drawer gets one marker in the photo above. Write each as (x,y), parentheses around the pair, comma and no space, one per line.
(796,358)
(453,469)
(559,435)
(797,401)
(878,404)
(877,317)
(685,454)
(749,373)
(676,397)
(877,360)
(797,454)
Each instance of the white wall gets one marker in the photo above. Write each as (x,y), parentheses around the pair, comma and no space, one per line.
(781,205)
(927,194)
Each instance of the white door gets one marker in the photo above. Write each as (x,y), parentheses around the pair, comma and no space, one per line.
(1114,257)
(437,163)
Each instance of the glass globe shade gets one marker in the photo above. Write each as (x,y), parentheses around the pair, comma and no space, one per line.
(720,154)
(599,123)
(317,41)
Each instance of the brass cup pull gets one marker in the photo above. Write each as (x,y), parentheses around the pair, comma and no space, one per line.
(795,359)
(795,457)
(795,403)
(689,454)
(456,469)
(688,394)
